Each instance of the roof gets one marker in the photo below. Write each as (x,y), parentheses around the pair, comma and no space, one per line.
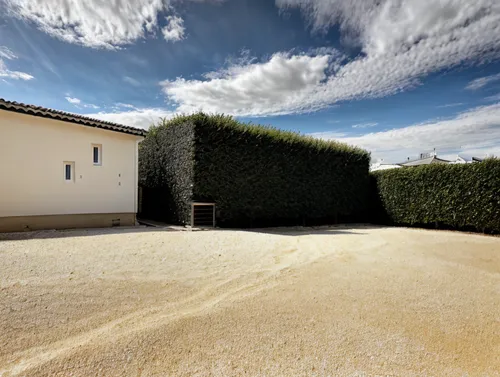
(424,161)
(377,167)
(68,117)
(468,158)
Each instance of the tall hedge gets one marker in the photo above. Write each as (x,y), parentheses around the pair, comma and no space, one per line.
(257,175)
(451,196)
(166,162)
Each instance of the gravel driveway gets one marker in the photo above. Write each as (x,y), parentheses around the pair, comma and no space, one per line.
(360,301)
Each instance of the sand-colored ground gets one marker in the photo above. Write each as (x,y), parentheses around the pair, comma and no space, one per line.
(360,301)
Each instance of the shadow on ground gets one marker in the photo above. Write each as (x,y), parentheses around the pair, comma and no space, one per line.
(43,234)
(355,229)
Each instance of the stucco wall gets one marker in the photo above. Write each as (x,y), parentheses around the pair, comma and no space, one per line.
(32,155)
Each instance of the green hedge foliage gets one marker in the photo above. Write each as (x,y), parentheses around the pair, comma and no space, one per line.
(166,172)
(465,197)
(256,175)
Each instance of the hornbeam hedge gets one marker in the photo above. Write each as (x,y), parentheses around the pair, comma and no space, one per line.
(465,197)
(256,175)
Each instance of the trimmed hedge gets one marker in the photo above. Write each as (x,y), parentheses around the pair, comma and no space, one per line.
(166,172)
(465,197)
(257,176)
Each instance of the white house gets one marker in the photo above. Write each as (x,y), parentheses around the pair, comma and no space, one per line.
(61,170)
(425,159)
(467,160)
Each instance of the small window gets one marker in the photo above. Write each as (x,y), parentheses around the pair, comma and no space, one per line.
(97,154)
(69,171)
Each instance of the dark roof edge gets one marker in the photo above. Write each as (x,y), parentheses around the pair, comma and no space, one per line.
(441,159)
(420,159)
(68,117)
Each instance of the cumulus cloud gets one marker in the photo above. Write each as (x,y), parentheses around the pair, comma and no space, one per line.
(5,73)
(482,82)
(252,89)
(476,131)
(174,30)
(138,117)
(401,42)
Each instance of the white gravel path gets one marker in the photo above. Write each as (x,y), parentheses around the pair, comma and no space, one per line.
(360,301)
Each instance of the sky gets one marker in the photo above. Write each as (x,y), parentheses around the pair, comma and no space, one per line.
(396,77)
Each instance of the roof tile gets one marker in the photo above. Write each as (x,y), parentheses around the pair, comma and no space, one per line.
(68,117)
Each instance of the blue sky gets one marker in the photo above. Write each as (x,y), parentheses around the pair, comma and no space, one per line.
(397,77)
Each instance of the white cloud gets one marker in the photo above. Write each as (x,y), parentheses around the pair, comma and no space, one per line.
(140,117)
(72,100)
(450,105)
(401,42)
(382,26)
(476,131)
(100,23)
(92,23)
(252,89)
(79,104)
(6,53)
(125,105)
(328,135)
(5,73)
(90,106)
(364,125)
(493,98)
(482,81)
(174,30)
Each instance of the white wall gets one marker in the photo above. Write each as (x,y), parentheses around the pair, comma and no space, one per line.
(32,152)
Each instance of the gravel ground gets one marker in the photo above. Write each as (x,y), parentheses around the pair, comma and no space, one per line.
(360,301)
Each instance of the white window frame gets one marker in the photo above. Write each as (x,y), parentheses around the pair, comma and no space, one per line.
(72,171)
(99,154)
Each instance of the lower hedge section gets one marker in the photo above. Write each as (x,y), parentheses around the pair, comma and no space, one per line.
(465,196)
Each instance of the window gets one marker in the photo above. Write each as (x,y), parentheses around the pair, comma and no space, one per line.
(69,171)
(97,154)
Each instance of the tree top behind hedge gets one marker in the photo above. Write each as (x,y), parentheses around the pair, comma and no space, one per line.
(228,123)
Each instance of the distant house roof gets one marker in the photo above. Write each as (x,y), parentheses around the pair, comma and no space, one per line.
(467,159)
(376,167)
(425,161)
(68,117)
